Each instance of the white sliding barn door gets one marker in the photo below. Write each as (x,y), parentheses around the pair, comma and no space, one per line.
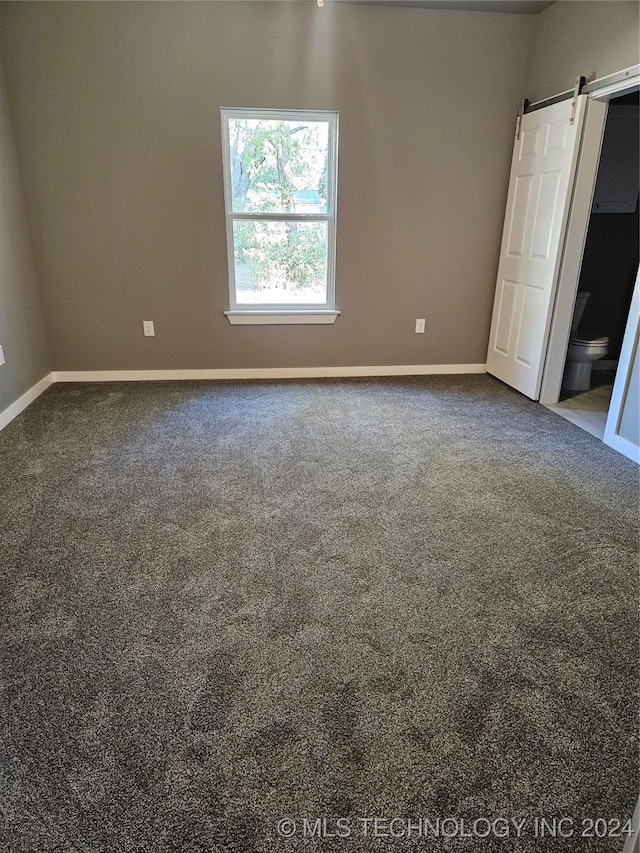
(538,201)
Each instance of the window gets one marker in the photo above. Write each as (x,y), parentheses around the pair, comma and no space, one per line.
(280,200)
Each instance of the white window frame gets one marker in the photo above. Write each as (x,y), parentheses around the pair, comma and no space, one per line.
(285,313)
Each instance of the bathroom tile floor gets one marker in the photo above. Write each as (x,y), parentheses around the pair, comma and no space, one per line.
(588,409)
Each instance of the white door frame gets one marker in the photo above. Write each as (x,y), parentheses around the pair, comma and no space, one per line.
(622,385)
(632,844)
(600,93)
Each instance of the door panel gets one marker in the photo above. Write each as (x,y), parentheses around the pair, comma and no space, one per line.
(505,316)
(540,186)
(546,210)
(528,336)
(519,215)
(529,142)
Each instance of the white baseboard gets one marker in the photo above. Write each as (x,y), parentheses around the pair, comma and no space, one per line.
(264,373)
(12,411)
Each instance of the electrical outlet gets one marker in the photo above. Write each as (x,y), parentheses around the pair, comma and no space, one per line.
(147,326)
(419,327)
(1,356)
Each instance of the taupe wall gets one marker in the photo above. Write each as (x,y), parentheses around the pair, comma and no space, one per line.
(116,115)
(22,333)
(593,38)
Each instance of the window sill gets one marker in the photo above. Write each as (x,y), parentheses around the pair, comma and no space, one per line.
(264,317)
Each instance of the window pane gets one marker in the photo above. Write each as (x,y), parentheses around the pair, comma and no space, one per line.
(280,262)
(278,166)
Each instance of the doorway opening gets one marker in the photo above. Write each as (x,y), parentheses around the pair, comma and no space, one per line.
(607,274)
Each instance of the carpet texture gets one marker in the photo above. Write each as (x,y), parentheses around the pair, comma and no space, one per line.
(225,604)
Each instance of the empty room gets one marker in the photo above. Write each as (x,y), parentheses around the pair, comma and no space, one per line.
(319,426)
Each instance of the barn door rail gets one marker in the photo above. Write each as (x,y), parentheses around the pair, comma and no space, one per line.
(529,107)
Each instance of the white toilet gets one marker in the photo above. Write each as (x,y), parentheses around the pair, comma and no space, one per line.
(584,349)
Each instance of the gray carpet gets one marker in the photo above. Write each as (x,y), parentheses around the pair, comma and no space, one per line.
(225,604)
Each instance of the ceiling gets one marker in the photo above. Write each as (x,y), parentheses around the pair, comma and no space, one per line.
(519,7)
